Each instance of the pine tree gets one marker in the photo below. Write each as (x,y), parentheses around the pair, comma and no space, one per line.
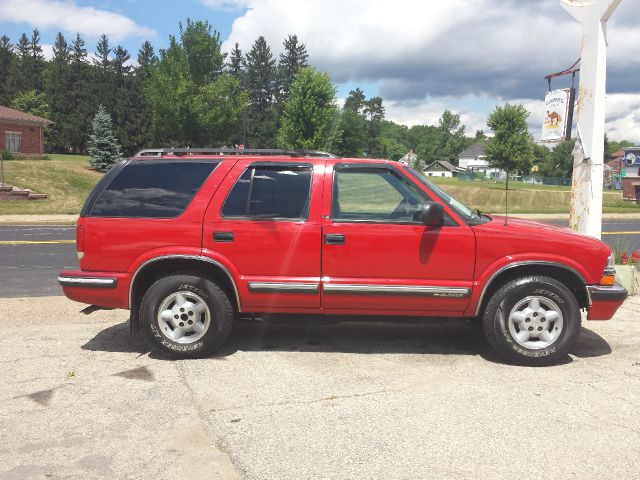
(7,58)
(260,82)
(293,59)
(147,60)
(19,80)
(58,86)
(104,78)
(103,145)
(234,67)
(355,101)
(36,63)
(80,96)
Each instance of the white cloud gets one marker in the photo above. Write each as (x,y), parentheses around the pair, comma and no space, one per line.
(66,15)
(428,55)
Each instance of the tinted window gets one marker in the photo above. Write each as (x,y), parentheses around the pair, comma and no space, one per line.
(376,195)
(152,189)
(270,192)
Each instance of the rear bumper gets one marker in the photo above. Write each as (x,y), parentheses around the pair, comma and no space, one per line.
(605,301)
(105,289)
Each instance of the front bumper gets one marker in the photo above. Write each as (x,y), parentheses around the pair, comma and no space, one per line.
(605,301)
(104,289)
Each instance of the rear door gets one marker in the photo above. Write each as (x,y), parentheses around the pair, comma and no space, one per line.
(267,228)
(378,256)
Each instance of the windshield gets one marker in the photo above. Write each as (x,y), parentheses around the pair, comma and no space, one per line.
(465,212)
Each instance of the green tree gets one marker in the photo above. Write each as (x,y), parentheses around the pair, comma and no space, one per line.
(355,101)
(292,60)
(187,90)
(374,112)
(351,134)
(309,113)
(103,145)
(559,161)
(81,97)
(36,62)
(452,139)
(32,102)
(57,87)
(261,82)
(7,59)
(234,67)
(147,60)
(511,147)
(19,78)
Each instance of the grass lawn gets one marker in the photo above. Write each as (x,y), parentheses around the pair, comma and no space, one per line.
(524,197)
(66,179)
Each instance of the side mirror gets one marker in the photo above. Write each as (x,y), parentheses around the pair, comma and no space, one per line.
(432,214)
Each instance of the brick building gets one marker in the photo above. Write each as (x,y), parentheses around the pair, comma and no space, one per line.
(21,133)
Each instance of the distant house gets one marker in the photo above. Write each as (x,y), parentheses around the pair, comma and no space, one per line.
(442,168)
(21,133)
(473,160)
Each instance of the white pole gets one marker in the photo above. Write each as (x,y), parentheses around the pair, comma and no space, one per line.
(588,154)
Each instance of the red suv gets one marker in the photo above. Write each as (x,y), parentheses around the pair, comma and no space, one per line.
(188,240)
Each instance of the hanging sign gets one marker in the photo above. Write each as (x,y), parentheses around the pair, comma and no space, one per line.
(557,119)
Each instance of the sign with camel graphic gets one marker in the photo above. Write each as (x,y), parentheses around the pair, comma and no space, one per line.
(556,123)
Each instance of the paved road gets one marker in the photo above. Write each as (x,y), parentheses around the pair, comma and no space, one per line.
(31,257)
(79,398)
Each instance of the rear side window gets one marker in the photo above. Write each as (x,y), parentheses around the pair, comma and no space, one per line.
(152,189)
(276,192)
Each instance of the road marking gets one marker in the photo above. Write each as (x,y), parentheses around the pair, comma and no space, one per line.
(621,233)
(33,242)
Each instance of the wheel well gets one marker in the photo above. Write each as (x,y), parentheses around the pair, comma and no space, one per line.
(567,277)
(152,272)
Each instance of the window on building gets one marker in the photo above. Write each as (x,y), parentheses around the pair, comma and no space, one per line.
(271,192)
(13,142)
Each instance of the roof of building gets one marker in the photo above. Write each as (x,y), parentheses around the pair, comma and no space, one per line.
(474,150)
(446,165)
(11,115)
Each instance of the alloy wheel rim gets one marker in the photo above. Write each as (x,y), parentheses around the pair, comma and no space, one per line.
(184,317)
(535,322)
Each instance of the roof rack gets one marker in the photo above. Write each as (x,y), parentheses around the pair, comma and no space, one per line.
(158,152)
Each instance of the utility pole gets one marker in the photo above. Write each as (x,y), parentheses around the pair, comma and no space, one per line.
(588,154)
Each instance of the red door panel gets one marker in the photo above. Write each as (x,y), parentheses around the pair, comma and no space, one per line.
(278,261)
(391,266)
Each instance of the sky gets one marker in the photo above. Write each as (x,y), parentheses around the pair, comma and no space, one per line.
(421,56)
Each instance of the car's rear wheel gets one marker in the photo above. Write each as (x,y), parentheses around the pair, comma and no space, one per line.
(186,316)
(532,321)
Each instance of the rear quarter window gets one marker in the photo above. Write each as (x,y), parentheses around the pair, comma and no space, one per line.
(150,189)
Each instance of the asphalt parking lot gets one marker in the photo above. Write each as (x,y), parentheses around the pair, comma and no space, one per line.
(79,398)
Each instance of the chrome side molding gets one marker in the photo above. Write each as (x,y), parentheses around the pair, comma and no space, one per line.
(413,290)
(89,282)
(283,287)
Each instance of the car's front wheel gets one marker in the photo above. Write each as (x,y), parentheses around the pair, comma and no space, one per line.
(186,316)
(532,321)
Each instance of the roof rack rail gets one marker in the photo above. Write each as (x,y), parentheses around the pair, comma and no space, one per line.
(158,152)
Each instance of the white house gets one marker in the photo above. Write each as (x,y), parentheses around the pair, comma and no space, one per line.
(473,160)
(442,168)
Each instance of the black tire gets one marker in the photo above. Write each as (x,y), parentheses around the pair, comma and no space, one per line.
(220,323)
(496,313)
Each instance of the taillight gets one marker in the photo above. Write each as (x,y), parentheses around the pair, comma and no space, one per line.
(80,241)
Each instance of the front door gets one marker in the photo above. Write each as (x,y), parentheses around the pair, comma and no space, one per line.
(376,254)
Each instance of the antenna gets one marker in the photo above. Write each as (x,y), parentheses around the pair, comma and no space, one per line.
(506,201)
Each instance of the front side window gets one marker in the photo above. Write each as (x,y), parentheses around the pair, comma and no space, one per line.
(152,189)
(374,195)
(271,192)
(13,142)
